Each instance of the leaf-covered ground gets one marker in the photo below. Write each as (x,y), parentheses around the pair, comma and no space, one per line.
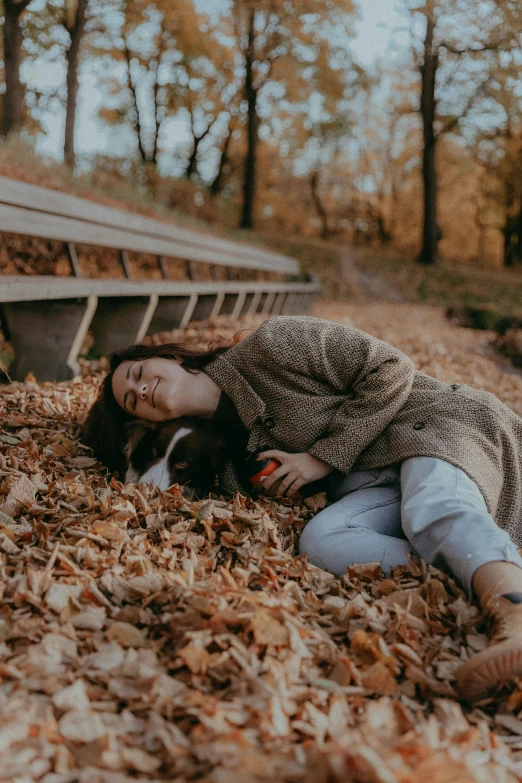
(146,638)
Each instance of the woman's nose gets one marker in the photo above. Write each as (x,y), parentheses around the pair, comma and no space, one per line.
(143,391)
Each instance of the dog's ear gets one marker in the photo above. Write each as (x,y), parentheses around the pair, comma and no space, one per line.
(136,429)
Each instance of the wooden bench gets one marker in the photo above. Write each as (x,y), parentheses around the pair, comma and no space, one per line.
(46,318)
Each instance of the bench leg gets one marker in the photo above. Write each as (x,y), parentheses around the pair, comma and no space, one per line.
(218,304)
(278,303)
(204,307)
(310,300)
(47,336)
(247,304)
(255,303)
(267,305)
(297,303)
(172,312)
(187,315)
(228,304)
(260,306)
(121,321)
(288,304)
(238,307)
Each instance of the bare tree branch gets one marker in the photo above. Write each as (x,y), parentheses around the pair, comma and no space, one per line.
(132,88)
(451,124)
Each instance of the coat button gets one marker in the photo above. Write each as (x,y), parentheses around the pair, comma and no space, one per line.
(269,422)
(419,425)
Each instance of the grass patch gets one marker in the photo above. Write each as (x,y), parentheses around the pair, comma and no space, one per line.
(398,278)
(446,283)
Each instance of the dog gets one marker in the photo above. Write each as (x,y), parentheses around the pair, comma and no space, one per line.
(187,451)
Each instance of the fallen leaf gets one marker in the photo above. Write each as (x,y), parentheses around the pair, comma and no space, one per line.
(125,634)
(268,630)
(22,493)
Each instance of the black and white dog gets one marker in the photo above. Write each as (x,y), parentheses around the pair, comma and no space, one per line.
(187,451)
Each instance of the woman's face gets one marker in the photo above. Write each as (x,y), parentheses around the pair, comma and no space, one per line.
(149,388)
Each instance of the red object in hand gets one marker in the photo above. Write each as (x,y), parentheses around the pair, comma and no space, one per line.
(266,467)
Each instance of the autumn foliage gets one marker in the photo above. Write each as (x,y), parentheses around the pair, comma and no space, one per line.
(258,113)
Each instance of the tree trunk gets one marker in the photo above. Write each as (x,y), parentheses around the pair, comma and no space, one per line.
(513,240)
(481,242)
(430,233)
(154,154)
(157,118)
(318,204)
(518,233)
(382,231)
(219,180)
(14,89)
(73,58)
(508,242)
(249,183)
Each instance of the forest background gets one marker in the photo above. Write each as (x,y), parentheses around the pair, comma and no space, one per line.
(263,114)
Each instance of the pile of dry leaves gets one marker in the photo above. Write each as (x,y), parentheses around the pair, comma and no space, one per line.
(144,637)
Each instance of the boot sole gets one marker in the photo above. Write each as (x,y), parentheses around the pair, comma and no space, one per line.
(490,669)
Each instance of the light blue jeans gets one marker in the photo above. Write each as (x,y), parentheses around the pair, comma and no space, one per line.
(422,505)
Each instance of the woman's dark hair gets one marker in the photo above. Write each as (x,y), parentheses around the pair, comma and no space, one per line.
(105,426)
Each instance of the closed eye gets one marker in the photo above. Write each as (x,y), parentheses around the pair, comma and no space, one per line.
(134,397)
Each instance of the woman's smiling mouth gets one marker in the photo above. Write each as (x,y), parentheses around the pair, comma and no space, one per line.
(153,392)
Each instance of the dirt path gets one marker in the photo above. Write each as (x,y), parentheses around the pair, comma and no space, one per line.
(437,347)
(364,286)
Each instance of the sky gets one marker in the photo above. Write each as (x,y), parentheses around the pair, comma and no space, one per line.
(374,32)
(378,19)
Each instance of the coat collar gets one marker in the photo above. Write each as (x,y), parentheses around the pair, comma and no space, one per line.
(249,406)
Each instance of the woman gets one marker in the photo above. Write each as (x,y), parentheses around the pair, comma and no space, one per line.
(413,464)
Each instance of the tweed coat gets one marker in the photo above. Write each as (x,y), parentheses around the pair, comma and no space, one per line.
(356,402)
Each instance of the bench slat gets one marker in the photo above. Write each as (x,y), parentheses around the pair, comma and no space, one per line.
(19,220)
(33,288)
(52,202)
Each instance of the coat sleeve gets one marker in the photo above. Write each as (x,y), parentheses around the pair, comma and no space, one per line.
(375,377)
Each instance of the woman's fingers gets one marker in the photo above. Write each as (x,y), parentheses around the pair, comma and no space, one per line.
(288,476)
(294,471)
(294,488)
(278,473)
(273,453)
(289,486)
(285,483)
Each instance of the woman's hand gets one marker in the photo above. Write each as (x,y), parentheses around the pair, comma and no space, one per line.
(295,469)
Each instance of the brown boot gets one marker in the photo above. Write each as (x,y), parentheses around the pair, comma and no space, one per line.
(502,660)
